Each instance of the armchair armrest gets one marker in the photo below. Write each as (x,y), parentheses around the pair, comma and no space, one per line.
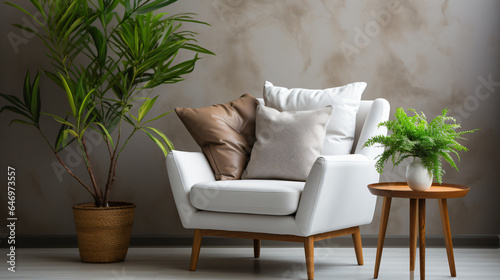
(336,195)
(184,170)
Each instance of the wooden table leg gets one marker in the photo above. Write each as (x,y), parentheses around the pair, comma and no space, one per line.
(421,236)
(413,232)
(256,248)
(386,207)
(445,221)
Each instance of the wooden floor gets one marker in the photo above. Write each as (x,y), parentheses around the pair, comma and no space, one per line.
(239,264)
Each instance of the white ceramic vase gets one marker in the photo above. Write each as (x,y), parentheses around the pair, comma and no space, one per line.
(417,176)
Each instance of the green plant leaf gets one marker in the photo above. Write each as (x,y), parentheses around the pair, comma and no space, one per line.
(126,4)
(155,5)
(15,110)
(14,100)
(145,107)
(196,48)
(61,138)
(100,44)
(21,122)
(90,113)
(69,94)
(56,79)
(158,117)
(28,29)
(167,141)
(187,17)
(24,11)
(60,120)
(128,120)
(158,142)
(85,102)
(72,132)
(107,134)
(72,28)
(35,99)
(27,90)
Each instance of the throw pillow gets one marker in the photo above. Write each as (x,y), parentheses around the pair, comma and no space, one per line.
(225,133)
(345,101)
(288,143)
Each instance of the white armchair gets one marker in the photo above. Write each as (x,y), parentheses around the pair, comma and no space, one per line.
(334,201)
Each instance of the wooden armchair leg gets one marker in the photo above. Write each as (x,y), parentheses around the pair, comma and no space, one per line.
(358,247)
(256,248)
(195,252)
(309,248)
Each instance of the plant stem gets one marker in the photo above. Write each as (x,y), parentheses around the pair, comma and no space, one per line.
(112,174)
(112,167)
(64,165)
(108,147)
(112,181)
(74,176)
(97,190)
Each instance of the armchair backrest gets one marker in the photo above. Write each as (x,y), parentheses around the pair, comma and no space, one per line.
(370,114)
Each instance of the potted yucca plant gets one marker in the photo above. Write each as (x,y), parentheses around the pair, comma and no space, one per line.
(106,56)
(426,142)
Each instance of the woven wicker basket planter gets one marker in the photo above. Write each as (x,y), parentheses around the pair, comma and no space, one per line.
(104,232)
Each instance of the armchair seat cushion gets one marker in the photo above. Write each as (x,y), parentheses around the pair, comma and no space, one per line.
(264,197)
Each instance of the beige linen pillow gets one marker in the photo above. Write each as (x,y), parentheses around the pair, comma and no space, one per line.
(288,143)
(345,101)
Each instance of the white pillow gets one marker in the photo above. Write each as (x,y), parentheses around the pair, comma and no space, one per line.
(345,101)
(288,143)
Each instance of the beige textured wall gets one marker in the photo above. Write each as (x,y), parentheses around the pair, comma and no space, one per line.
(422,54)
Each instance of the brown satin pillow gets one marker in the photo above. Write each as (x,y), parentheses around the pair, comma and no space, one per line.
(225,133)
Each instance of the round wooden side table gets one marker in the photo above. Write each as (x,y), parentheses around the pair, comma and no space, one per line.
(417,204)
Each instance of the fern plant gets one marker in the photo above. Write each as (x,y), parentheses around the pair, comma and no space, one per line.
(415,137)
(105,55)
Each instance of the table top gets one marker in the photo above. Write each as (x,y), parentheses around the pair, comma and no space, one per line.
(401,189)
